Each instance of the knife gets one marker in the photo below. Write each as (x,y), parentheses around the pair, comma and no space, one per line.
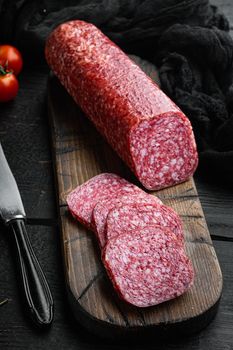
(35,288)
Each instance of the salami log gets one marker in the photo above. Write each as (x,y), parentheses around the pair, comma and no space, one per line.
(148,131)
(103,207)
(147,268)
(82,200)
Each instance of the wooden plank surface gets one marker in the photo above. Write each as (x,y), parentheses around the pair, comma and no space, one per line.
(80,153)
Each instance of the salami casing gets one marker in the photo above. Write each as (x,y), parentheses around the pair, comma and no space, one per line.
(147,268)
(148,131)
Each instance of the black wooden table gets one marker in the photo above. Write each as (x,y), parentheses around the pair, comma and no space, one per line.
(24,133)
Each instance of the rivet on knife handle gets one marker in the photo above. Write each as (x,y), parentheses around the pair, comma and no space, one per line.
(35,287)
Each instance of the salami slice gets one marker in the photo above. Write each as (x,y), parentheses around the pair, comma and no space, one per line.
(82,200)
(148,131)
(147,268)
(103,207)
(130,217)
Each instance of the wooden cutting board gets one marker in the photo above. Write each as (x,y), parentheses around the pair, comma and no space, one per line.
(81,153)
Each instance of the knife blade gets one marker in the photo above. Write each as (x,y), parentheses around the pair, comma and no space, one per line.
(34,285)
(11,205)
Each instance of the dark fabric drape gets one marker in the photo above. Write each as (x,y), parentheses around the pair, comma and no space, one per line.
(187,40)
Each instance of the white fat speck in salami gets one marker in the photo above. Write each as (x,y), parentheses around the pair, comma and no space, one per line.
(82,200)
(130,217)
(103,207)
(148,131)
(147,268)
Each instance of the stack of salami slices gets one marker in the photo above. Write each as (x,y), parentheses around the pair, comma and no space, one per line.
(141,239)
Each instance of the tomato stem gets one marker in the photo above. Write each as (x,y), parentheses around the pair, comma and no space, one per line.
(4,71)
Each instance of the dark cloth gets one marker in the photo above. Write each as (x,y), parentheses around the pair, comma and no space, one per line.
(132,24)
(187,40)
(196,72)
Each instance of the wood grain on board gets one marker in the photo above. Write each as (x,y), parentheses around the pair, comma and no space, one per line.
(81,153)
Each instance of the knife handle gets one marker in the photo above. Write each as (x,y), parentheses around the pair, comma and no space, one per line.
(35,287)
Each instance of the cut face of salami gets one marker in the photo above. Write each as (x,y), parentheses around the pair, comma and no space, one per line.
(146,129)
(82,200)
(131,217)
(102,209)
(147,268)
(162,150)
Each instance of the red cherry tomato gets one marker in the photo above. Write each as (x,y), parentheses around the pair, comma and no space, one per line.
(11,58)
(9,86)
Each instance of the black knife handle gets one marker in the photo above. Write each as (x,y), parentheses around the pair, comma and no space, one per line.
(35,287)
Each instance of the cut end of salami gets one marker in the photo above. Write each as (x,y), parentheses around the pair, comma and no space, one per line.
(147,268)
(163,151)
